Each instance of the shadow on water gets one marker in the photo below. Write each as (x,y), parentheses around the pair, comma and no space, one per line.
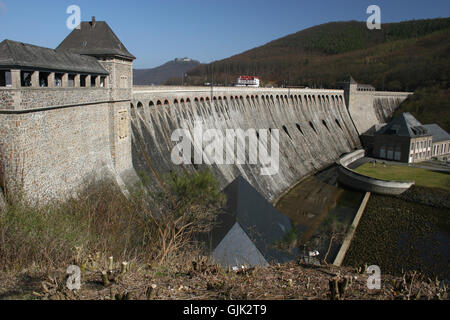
(323,211)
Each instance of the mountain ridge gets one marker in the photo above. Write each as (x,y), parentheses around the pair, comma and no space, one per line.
(159,75)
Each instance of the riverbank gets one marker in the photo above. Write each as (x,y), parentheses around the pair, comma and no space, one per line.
(406,232)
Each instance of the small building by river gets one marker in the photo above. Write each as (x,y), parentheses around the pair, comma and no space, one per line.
(405,139)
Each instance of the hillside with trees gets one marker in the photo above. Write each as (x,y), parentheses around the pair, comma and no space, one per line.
(402,56)
(175,69)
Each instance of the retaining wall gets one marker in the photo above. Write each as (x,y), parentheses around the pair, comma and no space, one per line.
(358,181)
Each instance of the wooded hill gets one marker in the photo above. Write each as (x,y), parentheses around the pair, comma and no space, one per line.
(401,56)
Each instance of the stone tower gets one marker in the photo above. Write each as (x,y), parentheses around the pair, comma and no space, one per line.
(96,39)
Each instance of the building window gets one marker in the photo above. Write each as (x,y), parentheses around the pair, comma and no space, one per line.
(412,146)
(83,80)
(93,80)
(102,82)
(25,78)
(383,152)
(123,82)
(5,78)
(71,80)
(58,79)
(43,79)
(123,124)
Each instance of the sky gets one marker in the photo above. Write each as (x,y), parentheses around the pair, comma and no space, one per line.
(156,31)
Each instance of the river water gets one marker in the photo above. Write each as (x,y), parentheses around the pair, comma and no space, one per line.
(322,211)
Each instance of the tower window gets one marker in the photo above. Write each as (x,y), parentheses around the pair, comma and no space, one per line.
(5,78)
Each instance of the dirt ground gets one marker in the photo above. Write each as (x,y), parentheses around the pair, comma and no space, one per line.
(201,281)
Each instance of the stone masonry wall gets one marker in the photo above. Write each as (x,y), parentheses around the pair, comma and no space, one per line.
(303,150)
(36,98)
(50,154)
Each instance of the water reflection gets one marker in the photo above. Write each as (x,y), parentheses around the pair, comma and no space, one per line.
(322,211)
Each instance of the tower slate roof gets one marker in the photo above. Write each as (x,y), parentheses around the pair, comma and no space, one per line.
(438,133)
(252,225)
(20,55)
(405,125)
(95,38)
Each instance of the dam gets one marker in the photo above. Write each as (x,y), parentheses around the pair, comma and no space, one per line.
(72,114)
(314,128)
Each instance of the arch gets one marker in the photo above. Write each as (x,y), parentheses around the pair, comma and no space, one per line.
(182,100)
(225,98)
(214,98)
(131,106)
(220,98)
(325,124)
(207,99)
(241,97)
(166,101)
(188,100)
(253,97)
(257,97)
(139,105)
(151,104)
(287,132)
(202,99)
(312,127)
(174,101)
(247,97)
(196,99)
(277,97)
(158,103)
(231,98)
(299,128)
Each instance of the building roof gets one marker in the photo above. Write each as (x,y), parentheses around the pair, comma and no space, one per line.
(95,38)
(405,125)
(263,224)
(438,133)
(27,56)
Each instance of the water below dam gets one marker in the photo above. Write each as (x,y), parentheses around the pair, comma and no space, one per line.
(321,209)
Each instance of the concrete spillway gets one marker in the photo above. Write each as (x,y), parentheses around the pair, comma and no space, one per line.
(314,130)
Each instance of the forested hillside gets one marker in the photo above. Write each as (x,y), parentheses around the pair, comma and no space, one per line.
(404,56)
(400,56)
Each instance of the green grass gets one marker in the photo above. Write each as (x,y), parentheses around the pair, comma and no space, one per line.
(421,177)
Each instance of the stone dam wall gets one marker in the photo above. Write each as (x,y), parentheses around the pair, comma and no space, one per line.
(315,129)
(53,140)
(369,108)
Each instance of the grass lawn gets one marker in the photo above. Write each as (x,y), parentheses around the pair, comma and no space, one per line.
(422,177)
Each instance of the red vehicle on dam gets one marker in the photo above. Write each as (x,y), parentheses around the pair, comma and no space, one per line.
(248,81)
